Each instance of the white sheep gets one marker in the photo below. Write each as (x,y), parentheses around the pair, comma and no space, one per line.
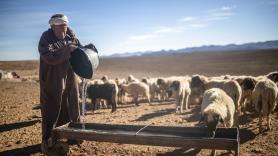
(264,97)
(180,90)
(135,89)
(247,85)
(131,78)
(217,107)
(121,94)
(154,88)
(9,75)
(164,84)
(231,87)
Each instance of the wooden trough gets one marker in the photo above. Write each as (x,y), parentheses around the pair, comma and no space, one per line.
(190,137)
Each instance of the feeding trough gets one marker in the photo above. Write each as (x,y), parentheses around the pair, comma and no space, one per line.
(190,137)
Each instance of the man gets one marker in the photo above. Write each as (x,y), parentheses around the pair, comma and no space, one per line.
(58,82)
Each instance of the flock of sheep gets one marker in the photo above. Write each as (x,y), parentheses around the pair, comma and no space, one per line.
(7,75)
(223,99)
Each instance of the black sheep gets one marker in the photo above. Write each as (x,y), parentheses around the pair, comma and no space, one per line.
(103,91)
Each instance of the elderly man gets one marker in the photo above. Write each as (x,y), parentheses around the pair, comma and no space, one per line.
(58,82)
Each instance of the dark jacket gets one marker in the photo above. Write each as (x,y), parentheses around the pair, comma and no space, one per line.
(58,82)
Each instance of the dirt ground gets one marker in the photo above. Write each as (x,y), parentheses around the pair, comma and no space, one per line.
(20,118)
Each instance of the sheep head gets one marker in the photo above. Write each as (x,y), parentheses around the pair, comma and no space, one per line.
(198,82)
(145,80)
(174,87)
(104,78)
(273,76)
(248,84)
(130,78)
(211,120)
(160,81)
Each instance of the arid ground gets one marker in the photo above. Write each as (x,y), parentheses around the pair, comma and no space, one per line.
(20,117)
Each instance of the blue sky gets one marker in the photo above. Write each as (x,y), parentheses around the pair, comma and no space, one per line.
(117,26)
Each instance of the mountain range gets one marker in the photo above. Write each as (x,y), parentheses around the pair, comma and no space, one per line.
(273,44)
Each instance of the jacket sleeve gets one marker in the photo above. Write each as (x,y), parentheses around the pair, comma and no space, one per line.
(50,55)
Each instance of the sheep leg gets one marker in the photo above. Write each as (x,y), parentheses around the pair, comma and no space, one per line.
(136,100)
(260,123)
(149,100)
(243,105)
(113,104)
(186,102)
(124,98)
(269,122)
(182,105)
(182,100)
(102,103)
(94,104)
(177,105)
(163,95)
(119,98)
(152,96)
(99,103)
(236,118)
(116,99)
(159,96)
(107,104)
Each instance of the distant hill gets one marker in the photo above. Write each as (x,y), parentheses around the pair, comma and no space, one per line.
(206,48)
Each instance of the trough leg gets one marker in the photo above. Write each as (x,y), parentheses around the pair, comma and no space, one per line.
(237,150)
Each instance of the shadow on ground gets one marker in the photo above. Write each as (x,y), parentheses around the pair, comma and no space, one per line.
(181,152)
(8,127)
(247,118)
(246,135)
(155,114)
(29,150)
(195,114)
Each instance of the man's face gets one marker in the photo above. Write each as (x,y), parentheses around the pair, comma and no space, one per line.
(60,31)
